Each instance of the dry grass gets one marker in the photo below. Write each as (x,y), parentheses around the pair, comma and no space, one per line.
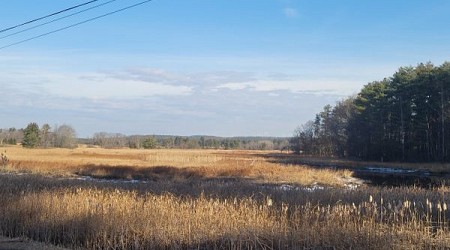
(167,164)
(434,167)
(81,215)
(196,199)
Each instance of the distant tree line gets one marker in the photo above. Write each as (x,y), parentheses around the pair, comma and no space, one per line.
(33,136)
(114,140)
(10,136)
(401,118)
(64,136)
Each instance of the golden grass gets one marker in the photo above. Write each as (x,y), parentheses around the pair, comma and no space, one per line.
(207,199)
(77,215)
(167,164)
(434,167)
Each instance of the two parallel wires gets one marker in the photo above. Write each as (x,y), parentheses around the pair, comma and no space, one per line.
(61,18)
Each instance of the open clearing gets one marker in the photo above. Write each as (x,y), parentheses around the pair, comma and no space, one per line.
(129,164)
(209,199)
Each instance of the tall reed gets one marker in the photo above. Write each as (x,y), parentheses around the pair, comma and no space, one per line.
(77,214)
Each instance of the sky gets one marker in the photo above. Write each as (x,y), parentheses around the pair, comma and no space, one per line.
(205,67)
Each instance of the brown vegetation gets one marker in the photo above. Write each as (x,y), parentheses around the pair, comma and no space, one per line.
(208,200)
(293,159)
(167,164)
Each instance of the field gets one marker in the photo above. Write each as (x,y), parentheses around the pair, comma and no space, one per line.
(163,165)
(209,199)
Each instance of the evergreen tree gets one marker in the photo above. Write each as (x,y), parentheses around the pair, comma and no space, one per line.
(31,138)
(149,143)
(402,118)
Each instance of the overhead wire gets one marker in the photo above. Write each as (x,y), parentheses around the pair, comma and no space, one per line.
(57,19)
(76,24)
(47,16)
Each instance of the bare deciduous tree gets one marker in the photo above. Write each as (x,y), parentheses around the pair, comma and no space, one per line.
(65,137)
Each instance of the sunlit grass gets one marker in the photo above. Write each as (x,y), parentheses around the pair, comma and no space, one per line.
(435,167)
(208,199)
(79,214)
(163,164)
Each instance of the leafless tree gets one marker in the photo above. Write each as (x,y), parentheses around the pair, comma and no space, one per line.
(65,137)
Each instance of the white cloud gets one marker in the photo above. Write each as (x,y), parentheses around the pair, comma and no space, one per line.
(92,86)
(209,102)
(156,89)
(150,75)
(290,12)
(99,86)
(316,86)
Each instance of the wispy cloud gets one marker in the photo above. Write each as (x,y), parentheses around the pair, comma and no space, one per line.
(101,86)
(125,89)
(156,100)
(93,85)
(316,86)
(290,12)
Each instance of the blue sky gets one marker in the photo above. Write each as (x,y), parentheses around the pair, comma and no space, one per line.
(215,67)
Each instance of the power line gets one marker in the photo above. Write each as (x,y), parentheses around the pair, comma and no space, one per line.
(76,24)
(47,16)
(57,19)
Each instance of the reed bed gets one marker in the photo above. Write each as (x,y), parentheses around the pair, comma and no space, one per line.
(78,214)
(433,167)
(167,164)
(210,199)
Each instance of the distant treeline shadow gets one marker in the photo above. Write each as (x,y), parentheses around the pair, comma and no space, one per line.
(155,173)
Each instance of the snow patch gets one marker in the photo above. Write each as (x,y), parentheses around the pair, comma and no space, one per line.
(286,187)
(384,170)
(89,178)
(351,186)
